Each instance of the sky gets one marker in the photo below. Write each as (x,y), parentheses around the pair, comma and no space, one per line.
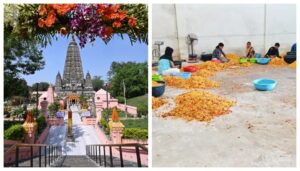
(95,58)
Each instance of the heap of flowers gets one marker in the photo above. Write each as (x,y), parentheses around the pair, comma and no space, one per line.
(200,105)
(87,21)
(157,102)
(278,62)
(195,82)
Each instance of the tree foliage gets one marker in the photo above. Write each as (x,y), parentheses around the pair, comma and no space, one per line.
(15,87)
(97,83)
(135,76)
(43,86)
(21,54)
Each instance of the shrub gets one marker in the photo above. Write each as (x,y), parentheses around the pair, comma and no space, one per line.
(142,110)
(41,123)
(106,112)
(7,111)
(8,124)
(104,125)
(18,112)
(121,99)
(53,108)
(15,132)
(103,122)
(135,133)
(35,112)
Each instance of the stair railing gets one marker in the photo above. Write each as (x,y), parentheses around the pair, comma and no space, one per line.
(97,152)
(51,154)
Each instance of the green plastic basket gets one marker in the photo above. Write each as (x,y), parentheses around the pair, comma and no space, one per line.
(252,60)
(156,77)
(243,60)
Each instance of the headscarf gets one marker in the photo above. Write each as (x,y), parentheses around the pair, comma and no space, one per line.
(168,54)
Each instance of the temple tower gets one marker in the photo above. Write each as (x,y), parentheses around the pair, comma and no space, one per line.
(73,80)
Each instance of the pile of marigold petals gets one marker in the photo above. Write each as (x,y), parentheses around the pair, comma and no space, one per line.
(293,65)
(194,82)
(278,62)
(199,105)
(208,69)
(157,102)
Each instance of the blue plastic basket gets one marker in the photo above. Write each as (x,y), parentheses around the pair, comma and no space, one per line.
(258,55)
(185,75)
(263,61)
(264,84)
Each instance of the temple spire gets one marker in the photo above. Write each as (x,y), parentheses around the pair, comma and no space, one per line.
(73,38)
(73,72)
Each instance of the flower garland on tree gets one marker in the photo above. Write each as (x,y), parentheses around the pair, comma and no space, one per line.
(87,21)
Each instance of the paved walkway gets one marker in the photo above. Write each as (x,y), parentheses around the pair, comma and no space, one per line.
(83,135)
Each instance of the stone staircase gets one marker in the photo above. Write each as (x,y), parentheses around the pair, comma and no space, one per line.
(78,161)
(75,161)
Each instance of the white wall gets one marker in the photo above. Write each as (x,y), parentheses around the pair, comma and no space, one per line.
(281,25)
(231,24)
(164,26)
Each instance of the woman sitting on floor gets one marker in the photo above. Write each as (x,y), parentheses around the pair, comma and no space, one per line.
(273,51)
(166,64)
(250,52)
(219,54)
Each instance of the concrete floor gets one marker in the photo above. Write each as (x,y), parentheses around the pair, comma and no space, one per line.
(260,131)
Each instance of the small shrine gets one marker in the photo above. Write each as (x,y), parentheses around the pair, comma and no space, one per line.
(116,127)
(30,127)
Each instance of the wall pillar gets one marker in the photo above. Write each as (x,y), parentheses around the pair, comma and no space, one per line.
(30,128)
(44,108)
(116,132)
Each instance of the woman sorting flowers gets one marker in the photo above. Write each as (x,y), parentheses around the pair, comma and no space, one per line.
(166,64)
(219,54)
(250,52)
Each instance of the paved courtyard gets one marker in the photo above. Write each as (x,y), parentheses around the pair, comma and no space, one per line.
(83,135)
(260,131)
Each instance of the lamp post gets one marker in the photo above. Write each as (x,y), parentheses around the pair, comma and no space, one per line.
(124,91)
(37,94)
(106,85)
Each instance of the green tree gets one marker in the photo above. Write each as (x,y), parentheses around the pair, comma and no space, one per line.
(97,83)
(15,86)
(21,54)
(142,110)
(135,76)
(43,86)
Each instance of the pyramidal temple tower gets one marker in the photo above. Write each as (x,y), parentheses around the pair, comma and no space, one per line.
(73,80)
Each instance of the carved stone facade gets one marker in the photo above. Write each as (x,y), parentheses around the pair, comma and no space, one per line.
(73,80)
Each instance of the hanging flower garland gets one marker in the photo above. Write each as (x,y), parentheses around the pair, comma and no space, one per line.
(86,21)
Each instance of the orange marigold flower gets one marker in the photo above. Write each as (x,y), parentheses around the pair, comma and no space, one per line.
(56,6)
(114,15)
(63,31)
(51,17)
(63,9)
(110,16)
(122,15)
(108,31)
(117,24)
(132,21)
(41,23)
(101,9)
(114,8)
(43,10)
